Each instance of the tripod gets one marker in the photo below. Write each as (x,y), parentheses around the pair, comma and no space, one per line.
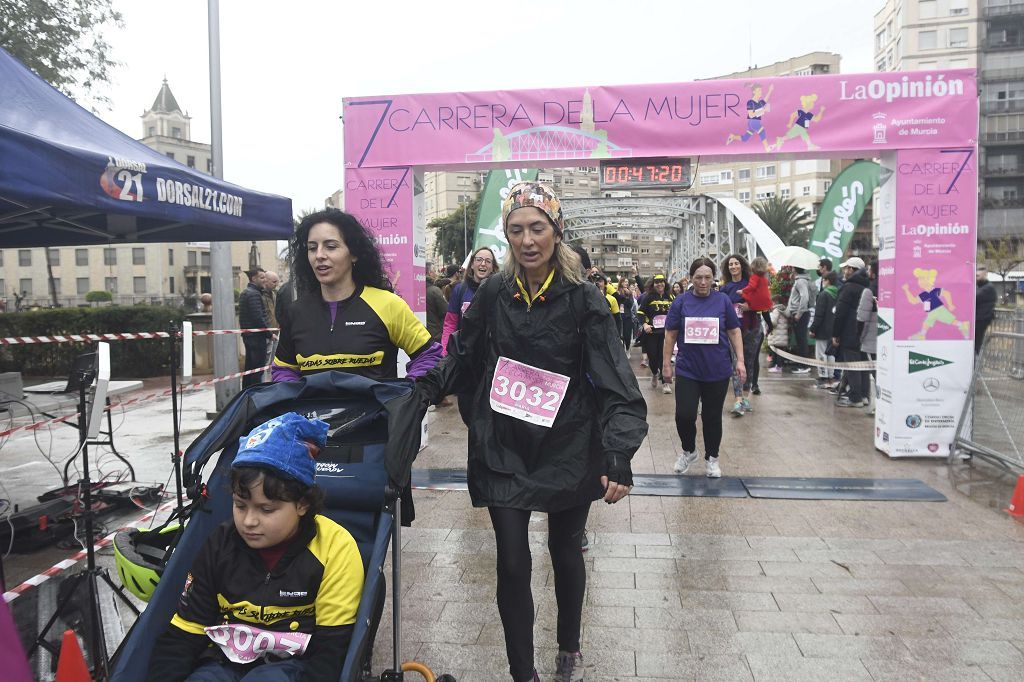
(95,643)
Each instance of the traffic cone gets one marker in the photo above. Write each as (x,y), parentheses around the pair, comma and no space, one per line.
(1016,508)
(71,666)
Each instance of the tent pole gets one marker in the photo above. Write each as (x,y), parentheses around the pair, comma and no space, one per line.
(225,347)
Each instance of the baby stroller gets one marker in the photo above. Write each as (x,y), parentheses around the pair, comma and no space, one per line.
(364,472)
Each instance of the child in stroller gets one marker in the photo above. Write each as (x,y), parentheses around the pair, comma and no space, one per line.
(277,588)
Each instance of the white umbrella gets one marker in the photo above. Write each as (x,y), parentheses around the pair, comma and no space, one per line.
(797,256)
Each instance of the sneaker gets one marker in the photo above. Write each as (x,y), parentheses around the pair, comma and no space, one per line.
(834,390)
(823,385)
(585,542)
(775,370)
(846,402)
(569,666)
(533,678)
(802,370)
(643,363)
(666,389)
(746,406)
(866,402)
(713,470)
(654,381)
(756,390)
(737,408)
(684,461)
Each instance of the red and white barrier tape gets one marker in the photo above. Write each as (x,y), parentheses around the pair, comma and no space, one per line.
(124,336)
(133,401)
(61,566)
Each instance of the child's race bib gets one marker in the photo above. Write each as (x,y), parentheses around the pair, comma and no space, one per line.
(246,643)
(659,321)
(527,393)
(701,330)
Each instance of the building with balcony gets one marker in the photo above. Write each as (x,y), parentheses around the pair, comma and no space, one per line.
(983,34)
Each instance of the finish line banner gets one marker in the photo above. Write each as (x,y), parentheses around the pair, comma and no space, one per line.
(808,115)
(928,233)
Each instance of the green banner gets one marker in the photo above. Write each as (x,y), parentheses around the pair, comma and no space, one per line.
(841,209)
(489,230)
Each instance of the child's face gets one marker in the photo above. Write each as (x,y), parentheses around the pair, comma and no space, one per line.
(265,523)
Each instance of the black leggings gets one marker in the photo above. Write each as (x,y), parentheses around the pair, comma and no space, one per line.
(655,346)
(712,395)
(515,597)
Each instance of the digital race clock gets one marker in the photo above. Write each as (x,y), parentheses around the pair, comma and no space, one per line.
(646,174)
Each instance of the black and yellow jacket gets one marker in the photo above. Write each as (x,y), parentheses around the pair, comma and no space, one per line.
(314,588)
(368,329)
(651,305)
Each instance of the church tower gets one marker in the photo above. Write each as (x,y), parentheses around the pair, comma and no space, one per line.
(165,118)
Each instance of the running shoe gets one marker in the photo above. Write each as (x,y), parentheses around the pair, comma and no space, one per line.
(666,389)
(747,406)
(585,542)
(866,402)
(775,370)
(654,381)
(643,363)
(737,408)
(802,370)
(756,390)
(569,666)
(684,461)
(714,471)
(846,402)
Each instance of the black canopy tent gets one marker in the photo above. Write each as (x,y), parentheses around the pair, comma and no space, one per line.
(67,179)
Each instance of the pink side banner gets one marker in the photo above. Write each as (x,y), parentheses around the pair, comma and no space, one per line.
(932,283)
(381,198)
(809,115)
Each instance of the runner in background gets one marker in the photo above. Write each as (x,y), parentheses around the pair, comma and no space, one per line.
(652,311)
(705,323)
(557,417)
(736,278)
(627,309)
(482,265)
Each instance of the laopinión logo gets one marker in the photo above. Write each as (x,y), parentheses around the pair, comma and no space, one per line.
(919,362)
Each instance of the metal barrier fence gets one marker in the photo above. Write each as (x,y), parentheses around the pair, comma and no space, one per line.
(992,422)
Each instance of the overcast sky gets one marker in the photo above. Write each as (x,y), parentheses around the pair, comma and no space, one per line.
(286,65)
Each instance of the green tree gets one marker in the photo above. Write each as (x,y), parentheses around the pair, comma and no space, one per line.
(454,232)
(1001,256)
(62,41)
(786,219)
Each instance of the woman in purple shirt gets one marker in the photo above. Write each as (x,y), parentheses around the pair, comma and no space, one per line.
(705,324)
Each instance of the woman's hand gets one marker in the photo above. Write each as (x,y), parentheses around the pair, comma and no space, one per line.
(648,328)
(741,371)
(613,492)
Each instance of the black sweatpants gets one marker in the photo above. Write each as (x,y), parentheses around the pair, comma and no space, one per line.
(515,565)
(255,356)
(654,345)
(711,394)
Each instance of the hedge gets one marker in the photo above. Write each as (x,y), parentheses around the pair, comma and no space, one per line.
(128,359)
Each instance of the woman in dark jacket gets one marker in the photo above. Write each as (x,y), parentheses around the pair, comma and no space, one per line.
(821,328)
(846,331)
(557,415)
(482,265)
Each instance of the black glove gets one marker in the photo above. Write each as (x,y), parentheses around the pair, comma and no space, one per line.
(619,470)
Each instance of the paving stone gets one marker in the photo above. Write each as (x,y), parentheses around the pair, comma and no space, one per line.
(890,624)
(703,642)
(786,621)
(735,601)
(920,606)
(851,646)
(797,669)
(685,619)
(965,651)
(676,666)
(1004,673)
(633,639)
(902,670)
(828,603)
(862,586)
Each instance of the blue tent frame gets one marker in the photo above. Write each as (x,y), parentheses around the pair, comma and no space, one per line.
(68,179)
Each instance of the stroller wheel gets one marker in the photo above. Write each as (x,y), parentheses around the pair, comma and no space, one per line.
(446,678)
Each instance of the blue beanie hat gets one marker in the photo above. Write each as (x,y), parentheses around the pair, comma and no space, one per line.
(287,444)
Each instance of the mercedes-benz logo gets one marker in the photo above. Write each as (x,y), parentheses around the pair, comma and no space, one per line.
(931,385)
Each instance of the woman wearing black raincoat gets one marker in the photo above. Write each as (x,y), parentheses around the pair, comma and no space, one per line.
(557,416)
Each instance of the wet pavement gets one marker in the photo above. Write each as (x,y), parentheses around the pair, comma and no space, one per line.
(683,588)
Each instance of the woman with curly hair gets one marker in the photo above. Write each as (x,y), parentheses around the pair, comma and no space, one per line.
(347,316)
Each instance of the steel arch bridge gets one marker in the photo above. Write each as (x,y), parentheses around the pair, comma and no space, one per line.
(698,225)
(548,142)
